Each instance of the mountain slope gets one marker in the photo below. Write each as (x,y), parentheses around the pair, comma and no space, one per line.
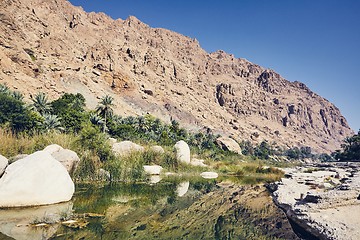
(54,47)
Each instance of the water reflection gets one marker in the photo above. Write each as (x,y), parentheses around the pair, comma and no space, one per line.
(127,208)
(16,223)
(182,188)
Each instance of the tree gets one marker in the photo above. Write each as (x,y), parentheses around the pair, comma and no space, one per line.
(104,108)
(17,115)
(4,89)
(18,95)
(70,109)
(264,150)
(41,103)
(350,149)
(51,123)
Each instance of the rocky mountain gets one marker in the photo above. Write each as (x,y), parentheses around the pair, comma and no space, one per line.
(51,46)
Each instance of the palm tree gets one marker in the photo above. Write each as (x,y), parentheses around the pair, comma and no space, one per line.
(96,119)
(18,95)
(41,104)
(4,89)
(51,122)
(104,109)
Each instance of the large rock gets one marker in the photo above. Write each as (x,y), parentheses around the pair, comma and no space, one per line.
(3,164)
(182,151)
(209,175)
(53,148)
(157,149)
(37,179)
(229,144)
(69,159)
(152,169)
(125,147)
(198,162)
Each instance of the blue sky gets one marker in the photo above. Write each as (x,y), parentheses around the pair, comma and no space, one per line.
(316,42)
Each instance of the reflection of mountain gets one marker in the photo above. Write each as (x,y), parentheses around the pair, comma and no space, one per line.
(14,223)
(208,210)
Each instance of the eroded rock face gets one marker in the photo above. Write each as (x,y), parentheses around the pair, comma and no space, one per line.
(37,179)
(95,55)
(182,151)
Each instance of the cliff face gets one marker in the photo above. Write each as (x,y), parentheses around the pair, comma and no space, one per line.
(54,47)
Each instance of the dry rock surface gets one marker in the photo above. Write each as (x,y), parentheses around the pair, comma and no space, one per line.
(54,47)
(68,158)
(322,199)
(37,179)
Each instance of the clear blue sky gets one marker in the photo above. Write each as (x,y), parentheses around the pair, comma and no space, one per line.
(316,42)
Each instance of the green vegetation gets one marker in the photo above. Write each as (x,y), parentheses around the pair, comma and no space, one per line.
(30,127)
(350,149)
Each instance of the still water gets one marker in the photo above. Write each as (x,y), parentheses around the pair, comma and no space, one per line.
(124,211)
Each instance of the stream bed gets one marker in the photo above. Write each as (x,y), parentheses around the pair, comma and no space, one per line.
(197,208)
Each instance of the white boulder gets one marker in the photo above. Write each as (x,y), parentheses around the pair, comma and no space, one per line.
(154,179)
(125,147)
(229,144)
(153,169)
(37,179)
(112,141)
(157,149)
(3,164)
(182,151)
(69,159)
(209,175)
(53,148)
(198,162)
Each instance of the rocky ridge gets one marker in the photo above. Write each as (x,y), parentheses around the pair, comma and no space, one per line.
(54,47)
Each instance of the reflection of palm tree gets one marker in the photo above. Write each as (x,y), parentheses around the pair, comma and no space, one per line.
(51,122)
(105,108)
(41,104)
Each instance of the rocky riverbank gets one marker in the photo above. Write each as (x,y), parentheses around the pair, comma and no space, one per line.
(322,201)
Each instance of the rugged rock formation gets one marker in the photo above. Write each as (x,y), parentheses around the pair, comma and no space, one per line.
(322,201)
(54,47)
